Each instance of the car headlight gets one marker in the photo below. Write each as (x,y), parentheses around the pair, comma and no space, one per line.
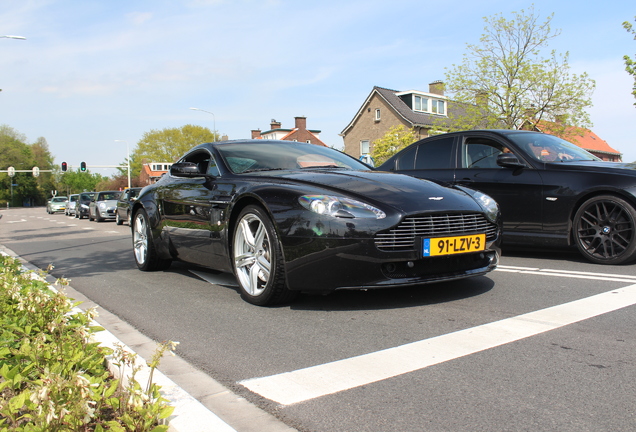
(102,206)
(486,202)
(340,207)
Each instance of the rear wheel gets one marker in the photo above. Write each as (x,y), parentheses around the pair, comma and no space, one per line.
(146,255)
(257,258)
(118,220)
(605,230)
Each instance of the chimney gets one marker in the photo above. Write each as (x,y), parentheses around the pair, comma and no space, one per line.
(274,124)
(256,133)
(301,123)
(436,87)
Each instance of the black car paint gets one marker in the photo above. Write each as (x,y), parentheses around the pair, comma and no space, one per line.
(192,219)
(538,200)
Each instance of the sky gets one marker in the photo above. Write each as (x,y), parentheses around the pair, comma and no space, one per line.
(93,76)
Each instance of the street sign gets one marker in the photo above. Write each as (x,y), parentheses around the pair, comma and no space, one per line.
(11,171)
(36,172)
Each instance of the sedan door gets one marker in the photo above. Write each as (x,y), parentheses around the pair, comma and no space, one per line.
(519,191)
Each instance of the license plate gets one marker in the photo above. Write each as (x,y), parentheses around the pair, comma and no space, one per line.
(453,245)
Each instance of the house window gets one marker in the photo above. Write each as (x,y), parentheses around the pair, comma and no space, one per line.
(377,114)
(421,103)
(437,106)
(364,147)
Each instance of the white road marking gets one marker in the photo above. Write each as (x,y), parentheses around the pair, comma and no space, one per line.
(17,221)
(316,381)
(568,273)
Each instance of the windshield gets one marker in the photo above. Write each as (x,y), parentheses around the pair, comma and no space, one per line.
(266,156)
(548,148)
(105,196)
(59,199)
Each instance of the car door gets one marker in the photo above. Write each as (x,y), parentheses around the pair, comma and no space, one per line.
(519,191)
(192,213)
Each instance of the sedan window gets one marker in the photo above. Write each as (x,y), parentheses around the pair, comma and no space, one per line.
(436,154)
(481,153)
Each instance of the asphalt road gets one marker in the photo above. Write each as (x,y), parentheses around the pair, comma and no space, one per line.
(544,343)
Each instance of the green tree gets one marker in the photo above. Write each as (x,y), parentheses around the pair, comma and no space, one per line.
(168,145)
(630,63)
(505,81)
(72,182)
(392,142)
(43,159)
(15,152)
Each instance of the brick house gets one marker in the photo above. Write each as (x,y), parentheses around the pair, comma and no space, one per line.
(152,172)
(385,108)
(299,133)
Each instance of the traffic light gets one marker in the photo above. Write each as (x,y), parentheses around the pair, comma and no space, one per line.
(64,166)
(83,166)
(36,172)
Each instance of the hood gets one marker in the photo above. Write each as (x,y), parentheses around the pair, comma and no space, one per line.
(402,192)
(600,166)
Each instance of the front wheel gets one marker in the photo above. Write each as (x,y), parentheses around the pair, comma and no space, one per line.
(118,220)
(257,258)
(146,255)
(605,230)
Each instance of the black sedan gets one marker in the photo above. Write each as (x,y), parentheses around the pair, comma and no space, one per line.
(552,193)
(286,217)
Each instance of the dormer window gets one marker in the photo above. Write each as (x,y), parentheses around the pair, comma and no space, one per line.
(421,103)
(438,106)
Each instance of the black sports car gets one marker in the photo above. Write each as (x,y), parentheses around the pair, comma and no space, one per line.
(287,217)
(552,193)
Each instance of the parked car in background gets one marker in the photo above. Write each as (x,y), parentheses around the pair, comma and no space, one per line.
(287,216)
(103,206)
(70,205)
(56,204)
(124,204)
(552,193)
(83,203)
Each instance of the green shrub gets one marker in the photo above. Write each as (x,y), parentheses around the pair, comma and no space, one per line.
(52,377)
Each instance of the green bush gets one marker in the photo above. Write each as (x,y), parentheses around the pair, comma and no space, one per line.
(52,377)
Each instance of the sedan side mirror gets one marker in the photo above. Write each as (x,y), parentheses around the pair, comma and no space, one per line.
(185,169)
(509,160)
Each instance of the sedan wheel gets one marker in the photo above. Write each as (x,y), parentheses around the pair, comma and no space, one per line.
(118,220)
(144,250)
(605,230)
(258,262)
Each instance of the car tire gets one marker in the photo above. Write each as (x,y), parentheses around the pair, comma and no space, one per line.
(144,250)
(90,217)
(118,220)
(605,230)
(257,259)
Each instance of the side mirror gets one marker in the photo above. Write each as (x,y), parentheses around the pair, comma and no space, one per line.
(185,169)
(509,160)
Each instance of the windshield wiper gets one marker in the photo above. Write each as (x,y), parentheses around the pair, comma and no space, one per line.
(323,167)
(261,169)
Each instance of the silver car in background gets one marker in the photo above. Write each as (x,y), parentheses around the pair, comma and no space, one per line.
(103,206)
(70,205)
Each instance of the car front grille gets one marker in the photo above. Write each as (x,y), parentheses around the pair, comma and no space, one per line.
(403,236)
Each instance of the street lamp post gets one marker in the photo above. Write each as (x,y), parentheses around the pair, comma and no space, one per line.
(127,159)
(213,117)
